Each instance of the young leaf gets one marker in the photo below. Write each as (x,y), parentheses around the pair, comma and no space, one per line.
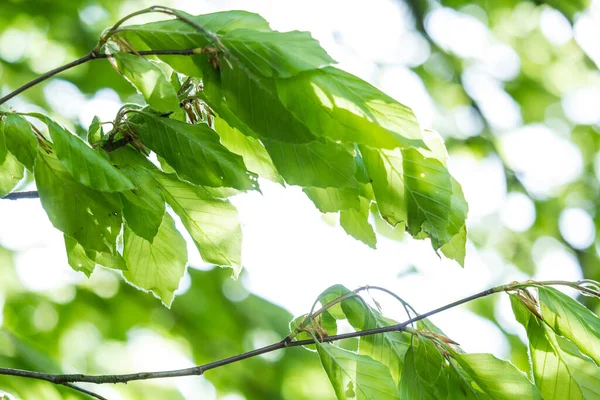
(90,217)
(456,234)
(275,54)
(195,152)
(85,261)
(423,376)
(428,193)
(83,163)
(456,247)
(569,318)
(356,223)
(143,207)
(213,223)
(20,139)
(157,266)
(333,199)
(149,80)
(342,107)
(356,376)
(313,164)
(251,149)
(95,131)
(11,172)
(499,379)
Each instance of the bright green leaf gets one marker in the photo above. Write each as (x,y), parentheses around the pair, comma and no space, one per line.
(20,140)
(95,131)
(3,150)
(90,217)
(11,173)
(85,164)
(213,223)
(195,152)
(356,376)
(356,223)
(333,199)
(157,266)
(275,54)
(149,80)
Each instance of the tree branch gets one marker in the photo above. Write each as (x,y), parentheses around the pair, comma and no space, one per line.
(33,194)
(89,57)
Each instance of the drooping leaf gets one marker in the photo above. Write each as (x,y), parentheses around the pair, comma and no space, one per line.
(356,376)
(20,140)
(569,318)
(340,106)
(333,199)
(313,164)
(456,247)
(195,152)
(423,375)
(456,233)
(428,194)
(499,379)
(143,207)
(177,34)
(157,266)
(460,385)
(252,151)
(85,261)
(149,80)
(3,150)
(356,223)
(85,164)
(275,54)
(90,217)
(11,173)
(213,223)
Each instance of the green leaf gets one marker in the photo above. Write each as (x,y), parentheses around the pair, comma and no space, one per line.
(213,223)
(195,152)
(157,266)
(313,164)
(20,140)
(276,54)
(177,34)
(11,173)
(569,318)
(386,172)
(333,199)
(85,261)
(90,217)
(561,372)
(456,247)
(456,234)
(83,163)
(342,107)
(499,379)
(149,80)
(428,193)
(143,207)
(322,325)
(460,386)
(95,131)
(250,149)
(356,376)
(423,376)
(356,223)
(3,150)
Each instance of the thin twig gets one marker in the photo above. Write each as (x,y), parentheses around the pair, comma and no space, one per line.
(33,194)
(85,391)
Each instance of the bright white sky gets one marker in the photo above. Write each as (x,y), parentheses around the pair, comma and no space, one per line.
(291,254)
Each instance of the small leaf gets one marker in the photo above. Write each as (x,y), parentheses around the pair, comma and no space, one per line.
(195,152)
(11,173)
(569,318)
(213,223)
(95,131)
(252,151)
(83,163)
(368,379)
(90,217)
(456,247)
(313,164)
(333,199)
(144,207)
(20,140)
(356,223)
(85,261)
(157,266)
(499,379)
(149,80)
(276,54)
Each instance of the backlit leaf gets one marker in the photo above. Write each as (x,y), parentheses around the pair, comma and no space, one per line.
(20,139)
(11,173)
(356,223)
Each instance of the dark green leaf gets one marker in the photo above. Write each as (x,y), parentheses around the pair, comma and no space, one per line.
(157,266)
(149,80)
(195,152)
(90,217)
(20,140)
(423,376)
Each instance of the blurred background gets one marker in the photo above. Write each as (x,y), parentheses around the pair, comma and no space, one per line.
(514,88)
